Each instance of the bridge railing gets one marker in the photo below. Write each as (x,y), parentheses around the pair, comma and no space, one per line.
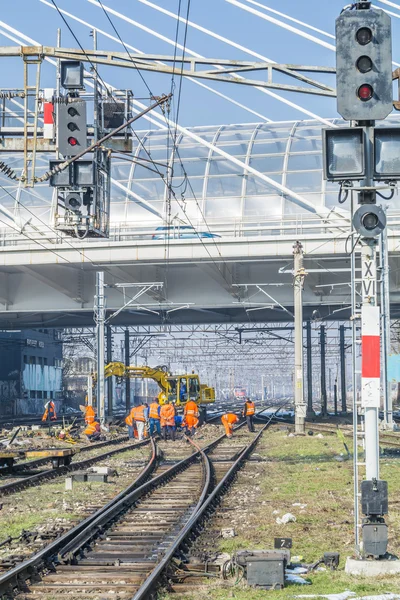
(250,227)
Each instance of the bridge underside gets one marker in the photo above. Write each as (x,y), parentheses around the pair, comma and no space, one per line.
(232,282)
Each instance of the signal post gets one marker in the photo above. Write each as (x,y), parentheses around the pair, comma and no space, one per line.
(359,158)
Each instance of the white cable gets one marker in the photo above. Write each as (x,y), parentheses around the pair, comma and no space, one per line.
(321,211)
(137,51)
(262,15)
(276,12)
(220,38)
(389,12)
(392,4)
(307,36)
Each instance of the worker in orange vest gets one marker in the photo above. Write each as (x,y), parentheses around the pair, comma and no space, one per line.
(191,416)
(228,420)
(154,417)
(130,424)
(49,411)
(141,416)
(93,431)
(89,414)
(248,411)
(167,418)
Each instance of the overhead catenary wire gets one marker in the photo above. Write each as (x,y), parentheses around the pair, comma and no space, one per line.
(170,188)
(199,139)
(95,70)
(238,47)
(81,251)
(126,49)
(195,81)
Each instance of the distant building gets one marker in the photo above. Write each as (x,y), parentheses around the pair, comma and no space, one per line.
(76,380)
(30,370)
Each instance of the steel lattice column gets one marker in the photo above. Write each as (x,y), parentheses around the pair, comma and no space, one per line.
(310,410)
(322,341)
(109,380)
(127,380)
(342,368)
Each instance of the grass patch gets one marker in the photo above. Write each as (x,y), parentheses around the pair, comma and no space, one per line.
(302,470)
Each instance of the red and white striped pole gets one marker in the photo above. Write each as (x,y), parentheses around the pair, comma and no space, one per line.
(370,359)
(48,114)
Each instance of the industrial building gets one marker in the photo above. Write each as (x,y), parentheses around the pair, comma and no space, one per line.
(30,370)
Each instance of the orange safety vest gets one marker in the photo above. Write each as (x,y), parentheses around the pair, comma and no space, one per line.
(91,428)
(167,414)
(191,421)
(191,409)
(229,418)
(89,414)
(50,408)
(129,420)
(249,409)
(153,414)
(138,413)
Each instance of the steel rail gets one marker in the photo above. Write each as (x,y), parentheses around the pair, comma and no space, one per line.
(64,548)
(109,514)
(146,590)
(10,580)
(12,487)
(29,464)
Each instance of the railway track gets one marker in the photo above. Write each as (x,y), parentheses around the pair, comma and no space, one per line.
(43,476)
(123,550)
(385,439)
(28,465)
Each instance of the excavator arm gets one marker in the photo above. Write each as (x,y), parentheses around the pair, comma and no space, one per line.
(158,374)
(176,388)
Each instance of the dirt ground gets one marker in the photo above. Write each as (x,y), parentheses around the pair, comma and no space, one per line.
(311,478)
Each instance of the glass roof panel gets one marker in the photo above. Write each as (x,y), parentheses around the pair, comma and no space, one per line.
(148,170)
(267,133)
(230,190)
(234,135)
(269,147)
(194,188)
(121,170)
(304,181)
(256,186)
(306,145)
(228,185)
(301,162)
(268,164)
(198,151)
(150,189)
(263,206)
(221,166)
(227,207)
(234,149)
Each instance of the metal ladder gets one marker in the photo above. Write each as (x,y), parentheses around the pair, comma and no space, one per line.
(358,420)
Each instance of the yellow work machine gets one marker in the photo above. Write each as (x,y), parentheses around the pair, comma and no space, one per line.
(176,388)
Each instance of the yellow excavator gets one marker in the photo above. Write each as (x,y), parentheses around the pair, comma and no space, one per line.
(174,388)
